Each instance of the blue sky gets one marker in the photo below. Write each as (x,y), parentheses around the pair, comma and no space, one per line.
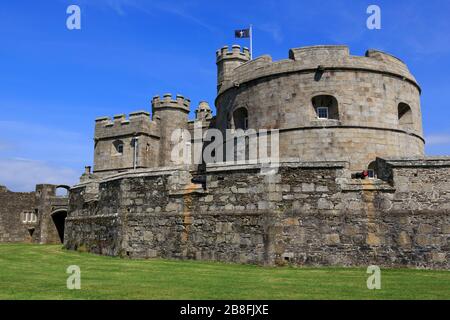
(54,82)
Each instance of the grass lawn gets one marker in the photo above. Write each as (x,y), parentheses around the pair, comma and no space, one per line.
(39,272)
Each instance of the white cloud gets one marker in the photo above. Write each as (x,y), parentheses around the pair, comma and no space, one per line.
(438,139)
(23,174)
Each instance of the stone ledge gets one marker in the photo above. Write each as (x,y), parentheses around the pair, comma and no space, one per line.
(150,172)
(327,125)
(443,161)
(100,216)
(284,163)
(145,172)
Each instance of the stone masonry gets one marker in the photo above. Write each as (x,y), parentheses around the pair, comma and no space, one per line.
(36,216)
(306,214)
(337,115)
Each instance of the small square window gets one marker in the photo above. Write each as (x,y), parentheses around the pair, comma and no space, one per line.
(371,174)
(322,112)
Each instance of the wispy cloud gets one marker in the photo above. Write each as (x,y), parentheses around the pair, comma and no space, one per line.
(438,139)
(181,12)
(274,30)
(119,5)
(151,8)
(32,129)
(22,174)
(39,142)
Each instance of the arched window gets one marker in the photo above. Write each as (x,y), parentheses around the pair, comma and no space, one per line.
(326,107)
(404,115)
(240,117)
(118,147)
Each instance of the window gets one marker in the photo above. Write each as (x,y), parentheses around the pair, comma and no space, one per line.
(322,112)
(29,217)
(371,174)
(325,107)
(240,117)
(404,115)
(118,147)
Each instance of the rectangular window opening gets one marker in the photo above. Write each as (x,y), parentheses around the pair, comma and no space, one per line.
(322,112)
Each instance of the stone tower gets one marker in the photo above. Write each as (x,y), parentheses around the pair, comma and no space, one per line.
(227,61)
(169,114)
(123,144)
(326,103)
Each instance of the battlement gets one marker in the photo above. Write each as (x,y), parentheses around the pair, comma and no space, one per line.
(340,53)
(120,125)
(309,59)
(234,53)
(325,51)
(122,120)
(383,56)
(167,101)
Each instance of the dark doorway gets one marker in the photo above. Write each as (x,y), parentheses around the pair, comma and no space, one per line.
(59,219)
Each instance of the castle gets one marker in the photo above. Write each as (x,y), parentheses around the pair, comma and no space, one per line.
(351,184)
(326,104)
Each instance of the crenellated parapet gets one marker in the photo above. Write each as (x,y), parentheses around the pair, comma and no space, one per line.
(310,59)
(120,125)
(169,102)
(236,52)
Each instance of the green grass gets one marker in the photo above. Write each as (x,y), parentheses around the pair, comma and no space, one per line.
(39,272)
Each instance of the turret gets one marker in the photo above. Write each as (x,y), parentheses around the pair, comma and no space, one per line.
(169,114)
(227,61)
(203,111)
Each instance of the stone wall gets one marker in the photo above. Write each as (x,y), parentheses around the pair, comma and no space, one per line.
(36,216)
(13,206)
(306,213)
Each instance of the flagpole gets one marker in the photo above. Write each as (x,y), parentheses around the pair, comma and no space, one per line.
(251,42)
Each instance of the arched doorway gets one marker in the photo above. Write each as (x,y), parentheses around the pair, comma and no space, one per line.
(59,219)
